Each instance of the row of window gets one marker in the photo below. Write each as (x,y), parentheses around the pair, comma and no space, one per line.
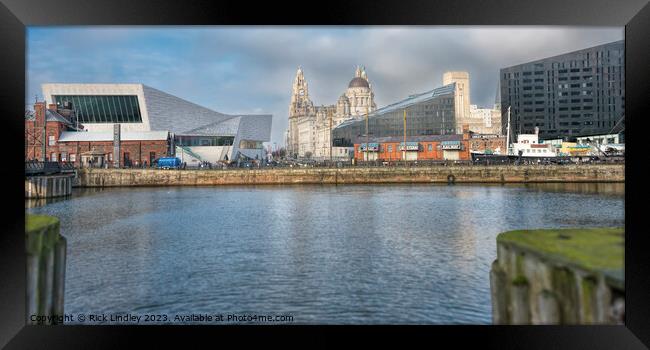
(204,140)
(72,157)
(559,67)
(389,148)
(103,109)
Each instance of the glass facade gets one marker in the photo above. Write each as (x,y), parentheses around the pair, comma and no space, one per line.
(103,108)
(180,140)
(429,113)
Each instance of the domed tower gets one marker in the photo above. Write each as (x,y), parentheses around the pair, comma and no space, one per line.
(299,107)
(360,96)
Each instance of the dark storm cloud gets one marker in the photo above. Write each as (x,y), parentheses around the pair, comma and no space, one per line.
(250,70)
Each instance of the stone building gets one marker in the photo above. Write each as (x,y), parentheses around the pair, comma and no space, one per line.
(484,120)
(461,96)
(309,125)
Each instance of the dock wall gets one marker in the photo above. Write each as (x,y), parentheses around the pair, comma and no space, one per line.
(48,186)
(354,175)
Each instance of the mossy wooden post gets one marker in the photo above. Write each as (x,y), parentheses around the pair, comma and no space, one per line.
(46,259)
(564,276)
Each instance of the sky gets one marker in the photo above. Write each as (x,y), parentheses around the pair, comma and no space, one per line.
(250,69)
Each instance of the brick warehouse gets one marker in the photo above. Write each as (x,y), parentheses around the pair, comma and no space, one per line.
(488,144)
(55,133)
(427,147)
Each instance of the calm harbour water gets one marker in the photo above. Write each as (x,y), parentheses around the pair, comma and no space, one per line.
(359,254)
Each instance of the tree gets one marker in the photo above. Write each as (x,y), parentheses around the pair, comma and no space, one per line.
(307,154)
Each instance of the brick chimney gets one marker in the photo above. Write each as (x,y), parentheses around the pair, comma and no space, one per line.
(466,132)
(39,113)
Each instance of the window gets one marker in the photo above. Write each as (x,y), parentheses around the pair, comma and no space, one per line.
(64,156)
(103,109)
(73,157)
(430,147)
(53,157)
(51,141)
(390,148)
(247,144)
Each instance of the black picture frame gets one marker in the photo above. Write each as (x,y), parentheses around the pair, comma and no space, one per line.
(15,15)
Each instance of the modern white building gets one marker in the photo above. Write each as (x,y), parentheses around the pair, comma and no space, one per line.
(606,139)
(199,133)
(528,145)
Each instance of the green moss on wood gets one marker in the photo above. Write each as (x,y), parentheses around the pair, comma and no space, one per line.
(520,280)
(564,285)
(42,232)
(34,222)
(519,262)
(588,285)
(594,249)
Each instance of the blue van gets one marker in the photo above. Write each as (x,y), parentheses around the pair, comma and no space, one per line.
(168,163)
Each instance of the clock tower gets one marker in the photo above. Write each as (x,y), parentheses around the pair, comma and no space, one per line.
(300,107)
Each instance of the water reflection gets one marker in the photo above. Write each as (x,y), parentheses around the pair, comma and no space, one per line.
(325,254)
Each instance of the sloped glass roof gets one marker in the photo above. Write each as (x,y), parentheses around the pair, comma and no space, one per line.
(409,101)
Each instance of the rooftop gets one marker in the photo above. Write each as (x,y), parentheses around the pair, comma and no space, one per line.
(85,136)
(422,138)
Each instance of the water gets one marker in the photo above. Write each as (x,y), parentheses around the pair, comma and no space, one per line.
(358,254)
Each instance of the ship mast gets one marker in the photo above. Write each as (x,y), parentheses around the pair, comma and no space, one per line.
(508,134)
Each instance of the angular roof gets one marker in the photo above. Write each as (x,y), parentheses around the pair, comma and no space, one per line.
(85,136)
(224,127)
(167,112)
(54,116)
(407,102)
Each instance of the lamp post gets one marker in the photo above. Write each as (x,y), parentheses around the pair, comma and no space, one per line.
(404,152)
(367,148)
(329,112)
(508,134)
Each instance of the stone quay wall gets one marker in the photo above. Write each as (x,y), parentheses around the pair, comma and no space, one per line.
(559,277)
(46,259)
(353,175)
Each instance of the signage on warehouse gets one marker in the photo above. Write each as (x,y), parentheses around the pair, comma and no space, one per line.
(410,146)
(450,145)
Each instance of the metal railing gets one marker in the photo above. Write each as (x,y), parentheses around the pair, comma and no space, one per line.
(36,167)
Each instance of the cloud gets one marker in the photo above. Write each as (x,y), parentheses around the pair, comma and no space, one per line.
(251,69)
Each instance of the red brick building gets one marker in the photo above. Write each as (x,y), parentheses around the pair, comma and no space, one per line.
(490,144)
(430,147)
(53,132)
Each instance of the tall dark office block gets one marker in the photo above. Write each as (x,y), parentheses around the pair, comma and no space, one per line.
(579,93)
